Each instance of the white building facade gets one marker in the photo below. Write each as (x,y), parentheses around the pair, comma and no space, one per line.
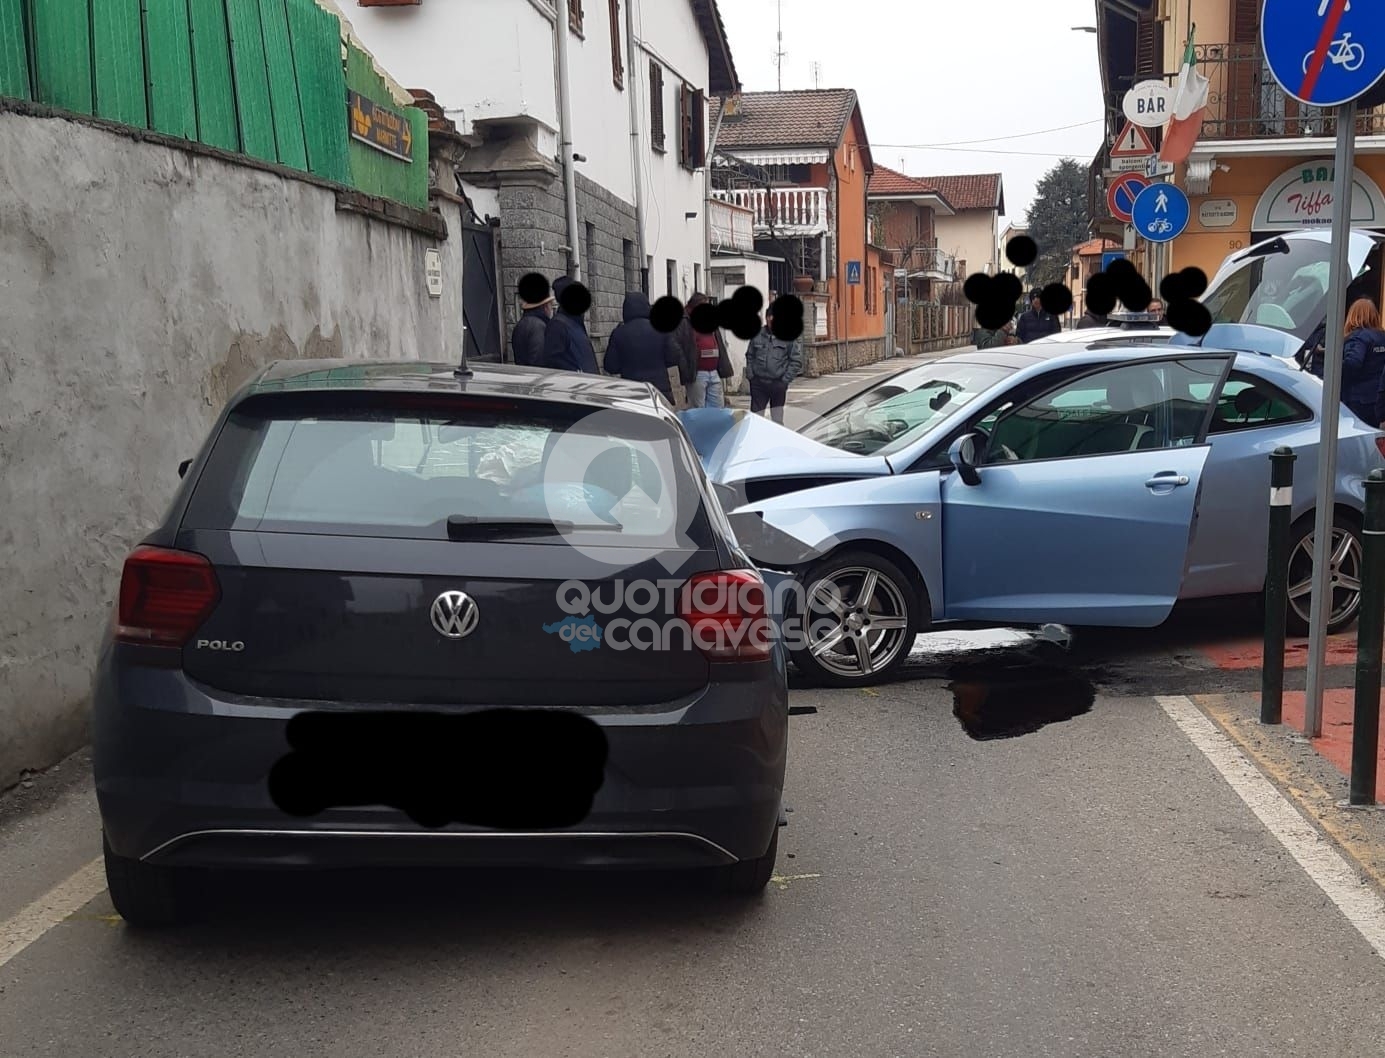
(639,131)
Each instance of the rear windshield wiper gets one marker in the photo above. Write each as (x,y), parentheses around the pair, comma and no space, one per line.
(469,526)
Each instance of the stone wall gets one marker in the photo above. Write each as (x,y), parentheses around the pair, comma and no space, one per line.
(142,281)
(824,358)
(533,232)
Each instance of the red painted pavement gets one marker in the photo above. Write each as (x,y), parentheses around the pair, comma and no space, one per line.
(1335,743)
(1338,705)
(1250,653)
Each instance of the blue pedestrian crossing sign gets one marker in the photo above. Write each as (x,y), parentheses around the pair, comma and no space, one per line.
(1161,213)
(1324,52)
(853,273)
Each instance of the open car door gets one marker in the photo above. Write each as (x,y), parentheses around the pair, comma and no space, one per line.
(1082,501)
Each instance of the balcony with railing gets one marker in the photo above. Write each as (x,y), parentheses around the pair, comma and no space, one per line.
(1246,103)
(783,211)
(926,262)
(733,227)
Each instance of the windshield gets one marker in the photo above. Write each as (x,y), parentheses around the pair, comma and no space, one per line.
(889,417)
(1283,285)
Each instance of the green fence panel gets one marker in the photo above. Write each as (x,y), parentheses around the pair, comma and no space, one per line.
(117,47)
(321,87)
(211,64)
(373,171)
(251,79)
(172,99)
(15,81)
(283,85)
(62,54)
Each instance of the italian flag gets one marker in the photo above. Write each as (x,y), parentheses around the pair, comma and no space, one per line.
(1189,105)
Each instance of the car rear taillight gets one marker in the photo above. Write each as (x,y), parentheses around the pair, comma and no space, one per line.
(164,596)
(728,615)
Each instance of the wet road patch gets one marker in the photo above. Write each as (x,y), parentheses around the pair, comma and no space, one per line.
(997,701)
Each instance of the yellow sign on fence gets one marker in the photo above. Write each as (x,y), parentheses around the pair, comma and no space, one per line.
(379,127)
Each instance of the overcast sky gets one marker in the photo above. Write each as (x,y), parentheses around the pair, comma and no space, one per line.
(936,73)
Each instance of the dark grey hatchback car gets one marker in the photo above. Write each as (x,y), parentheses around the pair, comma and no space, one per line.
(402,615)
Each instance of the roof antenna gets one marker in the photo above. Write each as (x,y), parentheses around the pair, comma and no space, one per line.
(779,55)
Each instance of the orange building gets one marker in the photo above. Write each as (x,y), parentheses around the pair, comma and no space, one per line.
(1263,164)
(802,162)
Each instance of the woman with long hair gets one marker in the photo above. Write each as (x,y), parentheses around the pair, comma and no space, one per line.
(1363,361)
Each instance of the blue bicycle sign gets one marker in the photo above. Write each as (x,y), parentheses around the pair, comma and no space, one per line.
(1161,213)
(1325,53)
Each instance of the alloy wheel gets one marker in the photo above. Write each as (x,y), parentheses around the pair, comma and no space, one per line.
(1345,563)
(858,621)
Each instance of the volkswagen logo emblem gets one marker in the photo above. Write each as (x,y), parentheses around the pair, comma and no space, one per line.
(455,614)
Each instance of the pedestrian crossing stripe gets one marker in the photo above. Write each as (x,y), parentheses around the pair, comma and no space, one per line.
(1133,142)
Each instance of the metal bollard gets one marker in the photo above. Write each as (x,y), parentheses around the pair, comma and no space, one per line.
(1277,584)
(1370,633)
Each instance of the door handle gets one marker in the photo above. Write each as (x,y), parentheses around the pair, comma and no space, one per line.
(1169,479)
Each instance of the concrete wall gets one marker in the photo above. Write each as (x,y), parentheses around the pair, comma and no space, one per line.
(140,285)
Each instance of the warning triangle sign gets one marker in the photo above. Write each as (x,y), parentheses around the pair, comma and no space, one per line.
(1133,142)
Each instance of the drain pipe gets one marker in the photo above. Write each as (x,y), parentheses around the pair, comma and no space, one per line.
(574,238)
(632,90)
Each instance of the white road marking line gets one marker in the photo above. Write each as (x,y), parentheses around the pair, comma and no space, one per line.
(64,899)
(1358,902)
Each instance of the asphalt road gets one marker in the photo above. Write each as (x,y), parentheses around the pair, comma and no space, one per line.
(1092,887)
(1014,851)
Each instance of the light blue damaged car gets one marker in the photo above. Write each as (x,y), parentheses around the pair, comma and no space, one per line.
(1086,484)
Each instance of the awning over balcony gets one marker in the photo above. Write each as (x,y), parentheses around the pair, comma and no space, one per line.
(782,157)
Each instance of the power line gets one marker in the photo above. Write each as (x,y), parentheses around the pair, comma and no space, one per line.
(978,150)
(993,139)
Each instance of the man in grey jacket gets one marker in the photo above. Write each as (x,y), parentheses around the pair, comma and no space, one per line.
(771,365)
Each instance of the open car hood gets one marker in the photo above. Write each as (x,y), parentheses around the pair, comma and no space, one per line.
(736,445)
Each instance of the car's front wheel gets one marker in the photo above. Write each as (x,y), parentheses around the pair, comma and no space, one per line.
(860,614)
(147,895)
(1345,563)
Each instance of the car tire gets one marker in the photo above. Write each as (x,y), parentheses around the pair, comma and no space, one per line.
(893,589)
(749,877)
(1345,613)
(146,895)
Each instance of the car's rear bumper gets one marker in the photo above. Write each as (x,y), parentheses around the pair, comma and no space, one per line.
(182,777)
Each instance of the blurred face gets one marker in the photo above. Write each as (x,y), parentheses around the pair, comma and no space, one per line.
(1156,306)
(550,309)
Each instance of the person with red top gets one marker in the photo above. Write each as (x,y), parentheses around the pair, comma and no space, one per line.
(706,364)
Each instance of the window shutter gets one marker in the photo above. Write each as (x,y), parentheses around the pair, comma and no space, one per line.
(656,105)
(699,130)
(617,62)
(684,126)
(575,15)
(1242,102)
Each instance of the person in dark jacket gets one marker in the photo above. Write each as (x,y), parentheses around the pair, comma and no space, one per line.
(771,365)
(566,344)
(1363,361)
(528,336)
(637,351)
(1092,319)
(1037,323)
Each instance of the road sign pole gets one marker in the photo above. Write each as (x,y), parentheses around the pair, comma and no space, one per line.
(1337,281)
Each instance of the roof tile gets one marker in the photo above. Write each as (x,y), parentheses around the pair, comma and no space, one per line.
(972,191)
(788,119)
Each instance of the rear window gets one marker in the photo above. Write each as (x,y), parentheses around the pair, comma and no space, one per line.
(404,467)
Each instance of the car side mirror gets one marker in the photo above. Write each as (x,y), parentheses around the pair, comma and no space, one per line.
(963,457)
(183,468)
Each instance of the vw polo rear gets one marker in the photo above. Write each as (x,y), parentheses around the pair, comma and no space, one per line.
(389,551)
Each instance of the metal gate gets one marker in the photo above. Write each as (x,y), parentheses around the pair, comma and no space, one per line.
(480,294)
